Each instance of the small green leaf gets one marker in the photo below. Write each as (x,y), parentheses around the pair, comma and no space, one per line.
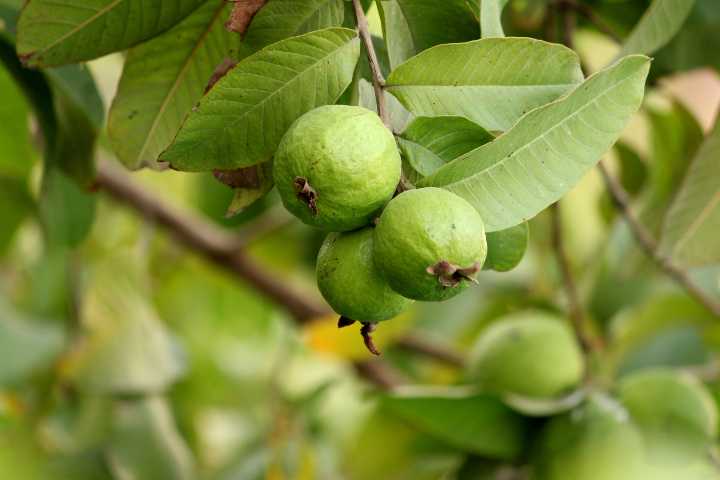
(490,18)
(67,212)
(662,20)
(474,422)
(492,81)
(162,79)
(245,196)
(428,143)
(52,32)
(242,119)
(514,177)
(690,233)
(506,248)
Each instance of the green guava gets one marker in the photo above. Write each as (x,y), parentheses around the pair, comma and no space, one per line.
(531,354)
(676,413)
(336,167)
(349,281)
(596,441)
(429,244)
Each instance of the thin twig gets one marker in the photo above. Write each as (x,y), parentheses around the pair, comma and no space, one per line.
(431,349)
(649,245)
(379,373)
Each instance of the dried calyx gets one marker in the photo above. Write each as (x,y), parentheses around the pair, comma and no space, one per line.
(450,275)
(366,331)
(306,193)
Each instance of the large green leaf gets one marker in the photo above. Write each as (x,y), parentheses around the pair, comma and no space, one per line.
(474,422)
(162,79)
(52,32)
(242,119)
(280,19)
(411,26)
(546,153)
(490,18)
(658,26)
(492,81)
(691,234)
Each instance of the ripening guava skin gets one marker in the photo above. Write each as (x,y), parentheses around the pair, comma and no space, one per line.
(531,354)
(336,167)
(349,281)
(429,244)
(676,413)
(597,441)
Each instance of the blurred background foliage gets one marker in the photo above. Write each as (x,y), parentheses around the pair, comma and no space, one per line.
(125,355)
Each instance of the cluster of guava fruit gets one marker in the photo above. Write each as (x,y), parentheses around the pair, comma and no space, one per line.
(338,168)
(657,424)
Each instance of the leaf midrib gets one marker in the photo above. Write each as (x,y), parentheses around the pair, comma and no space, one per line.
(481,85)
(697,223)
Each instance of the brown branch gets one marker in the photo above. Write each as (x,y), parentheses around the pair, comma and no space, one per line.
(242,14)
(431,349)
(378,81)
(223,249)
(648,244)
(379,373)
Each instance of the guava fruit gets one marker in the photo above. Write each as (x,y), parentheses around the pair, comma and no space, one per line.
(596,441)
(531,354)
(336,167)
(351,284)
(429,244)
(675,412)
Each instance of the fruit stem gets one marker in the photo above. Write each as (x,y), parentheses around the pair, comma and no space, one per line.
(366,332)
(306,193)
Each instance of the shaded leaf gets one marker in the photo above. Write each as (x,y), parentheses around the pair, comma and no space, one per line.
(241,120)
(244,196)
(54,32)
(662,20)
(691,232)
(514,177)
(67,212)
(474,422)
(506,248)
(162,79)
(16,153)
(411,26)
(490,18)
(492,81)
(17,204)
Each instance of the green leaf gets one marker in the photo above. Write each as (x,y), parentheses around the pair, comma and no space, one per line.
(16,153)
(17,204)
(27,345)
(67,212)
(490,18)
(52,32)
(243,197)
(399,116)
(492,81)
(428,143)
(473,422)
(242,119)
(411,26)
(280,19)
(145,443)
(506,248)
(690,233)
(546,153)
(162,79)
(662,20)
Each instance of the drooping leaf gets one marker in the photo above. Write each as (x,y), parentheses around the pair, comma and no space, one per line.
(241,120)
(66,210)
(145,443)
(662,20)
(428,143)
(493,81)
(490,18)
(506,248)
(512,178)
(162,79)
(245,196)
(411,26)
(691,233)
(474,422)
(280,19)
(54,32)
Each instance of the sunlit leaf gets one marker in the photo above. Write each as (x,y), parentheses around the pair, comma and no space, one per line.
(491,16)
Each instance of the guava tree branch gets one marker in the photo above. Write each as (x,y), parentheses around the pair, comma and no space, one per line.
(650,246)
(431,349)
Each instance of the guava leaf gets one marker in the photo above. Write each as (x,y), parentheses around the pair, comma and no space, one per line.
(242,119)
(411,26)
(399,116)
(247,195)
(56,32)
(506,248)
(692,226)
(493,81)
(490,18)
(428,143)
(67,212)
(280,19)
(662,20)
(16,152)
(514,177)
(163,78)
(477,423)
